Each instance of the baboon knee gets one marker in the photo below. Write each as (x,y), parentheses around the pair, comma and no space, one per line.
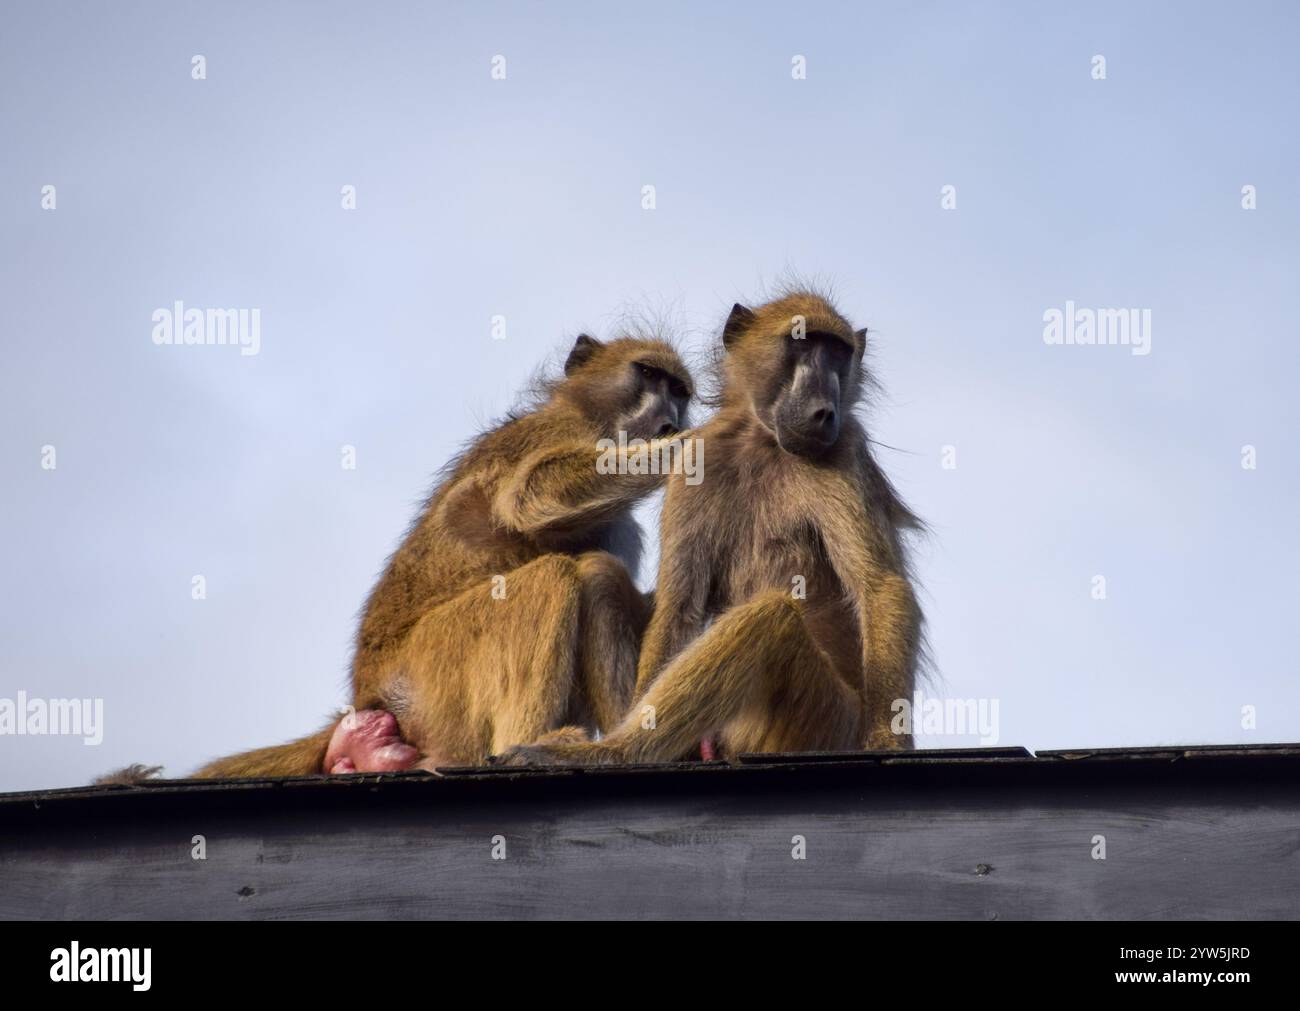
(606,582)
(563,569)
(604,571)
(554,577)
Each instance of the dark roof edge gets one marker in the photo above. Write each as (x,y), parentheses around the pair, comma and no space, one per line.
(935,759)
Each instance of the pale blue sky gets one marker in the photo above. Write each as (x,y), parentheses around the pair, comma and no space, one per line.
(522,198)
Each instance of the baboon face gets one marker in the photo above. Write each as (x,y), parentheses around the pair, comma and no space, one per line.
(639,387)
(799,361)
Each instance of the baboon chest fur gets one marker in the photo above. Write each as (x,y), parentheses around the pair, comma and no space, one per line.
(765,535)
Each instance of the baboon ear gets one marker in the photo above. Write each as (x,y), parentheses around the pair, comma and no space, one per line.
(862,336)
(739,319)
(583,348)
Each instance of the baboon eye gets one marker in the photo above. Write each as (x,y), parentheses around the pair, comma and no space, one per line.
(678,389)
(836,349)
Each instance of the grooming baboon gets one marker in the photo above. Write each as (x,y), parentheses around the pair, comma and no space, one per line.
(509,611)
(785,619)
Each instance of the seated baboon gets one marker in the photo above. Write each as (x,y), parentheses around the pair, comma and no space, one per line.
(509,611)
(784,618)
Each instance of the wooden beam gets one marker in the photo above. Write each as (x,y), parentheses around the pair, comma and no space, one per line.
(983,834)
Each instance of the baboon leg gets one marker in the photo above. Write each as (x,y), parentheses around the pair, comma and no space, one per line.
(475,675)
(755,676)
(613,618)
(539,642)
(480,672)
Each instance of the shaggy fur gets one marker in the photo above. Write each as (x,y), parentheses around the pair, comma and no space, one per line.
(731,652)
(469,672)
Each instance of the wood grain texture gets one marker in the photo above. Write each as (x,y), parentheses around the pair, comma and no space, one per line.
(992,835)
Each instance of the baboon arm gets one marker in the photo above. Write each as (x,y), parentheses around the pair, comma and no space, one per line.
(574,486)
(864,552)
(891,621)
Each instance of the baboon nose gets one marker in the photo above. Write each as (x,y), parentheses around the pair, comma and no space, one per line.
(824,417)
(665,430)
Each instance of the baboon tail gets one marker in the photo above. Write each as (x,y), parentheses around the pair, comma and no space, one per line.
(303,757)
(130,776)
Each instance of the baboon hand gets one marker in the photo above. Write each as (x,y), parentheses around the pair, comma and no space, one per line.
(884,739)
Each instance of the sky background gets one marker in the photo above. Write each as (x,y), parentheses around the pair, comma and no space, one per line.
(522,198)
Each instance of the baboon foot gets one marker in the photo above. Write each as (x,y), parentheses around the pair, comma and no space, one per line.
(565,735)
(368,741)
(529,755)
(545,754)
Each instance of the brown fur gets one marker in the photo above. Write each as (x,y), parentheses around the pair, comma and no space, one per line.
(467,674)
(730,651)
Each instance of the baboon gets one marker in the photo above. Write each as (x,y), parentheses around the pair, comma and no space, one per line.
(509,612)
(785,618)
